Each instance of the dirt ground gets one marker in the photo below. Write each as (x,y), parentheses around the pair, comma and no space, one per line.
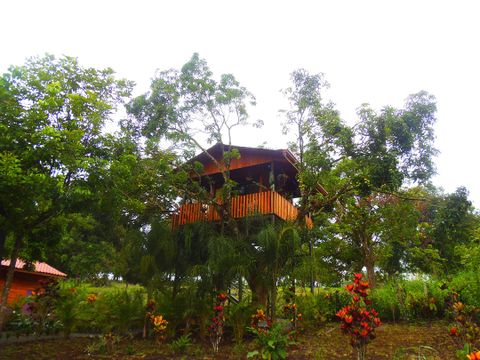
(394,341)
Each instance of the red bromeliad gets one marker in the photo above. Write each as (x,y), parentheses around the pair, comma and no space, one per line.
(218,321)
(357,320)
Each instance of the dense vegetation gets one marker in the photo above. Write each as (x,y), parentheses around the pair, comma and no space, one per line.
(98,205)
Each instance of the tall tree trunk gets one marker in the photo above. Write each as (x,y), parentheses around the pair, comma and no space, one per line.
(240,288)
(259,291)
(9,279)
(369,259)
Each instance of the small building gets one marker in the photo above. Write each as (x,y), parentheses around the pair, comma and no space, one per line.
(25,279)
(266,185)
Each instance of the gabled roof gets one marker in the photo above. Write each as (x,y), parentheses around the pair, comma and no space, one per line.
(250,156)
(40,267)
(261,155)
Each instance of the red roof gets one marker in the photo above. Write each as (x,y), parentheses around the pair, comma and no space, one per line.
(40,267)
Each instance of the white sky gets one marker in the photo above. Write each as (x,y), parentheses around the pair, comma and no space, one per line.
(371,51)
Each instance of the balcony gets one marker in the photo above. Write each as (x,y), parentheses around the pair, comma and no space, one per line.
(264,203)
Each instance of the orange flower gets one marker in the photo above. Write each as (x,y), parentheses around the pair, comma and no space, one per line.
(159,320)
(91,298)
(474,356)
(458,306)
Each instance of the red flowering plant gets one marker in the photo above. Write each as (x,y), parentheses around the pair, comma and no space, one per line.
(159,327)
(260,323)
(359,319)
(150,308)
(465,332)
(291,312)
(474,356)
(218,321)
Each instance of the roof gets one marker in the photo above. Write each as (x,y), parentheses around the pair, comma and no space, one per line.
(217,149)
(261,155)
(40,267)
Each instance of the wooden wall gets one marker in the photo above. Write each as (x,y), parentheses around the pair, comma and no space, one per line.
(267,202)
(23,283)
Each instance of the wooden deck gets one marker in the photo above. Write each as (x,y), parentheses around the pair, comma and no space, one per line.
(265,203)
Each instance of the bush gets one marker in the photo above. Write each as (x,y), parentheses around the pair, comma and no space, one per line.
(188,312)
(409,300)
(238,317)
(467,285)
(322,306)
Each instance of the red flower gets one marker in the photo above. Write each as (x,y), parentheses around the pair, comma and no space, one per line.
(357,278)
(363,333)
(348,319)
(454,331)
(218,308)
(349,287)
(222,297)
(377,321)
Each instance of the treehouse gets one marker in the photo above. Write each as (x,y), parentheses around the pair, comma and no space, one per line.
(265,184)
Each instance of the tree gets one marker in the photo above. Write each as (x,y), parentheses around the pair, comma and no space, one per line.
(381,153)
(189,107)
(184,106)
(451,225)
(50,139)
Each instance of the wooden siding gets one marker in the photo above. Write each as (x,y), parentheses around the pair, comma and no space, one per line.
(251,159)
(23,284)
(265,203)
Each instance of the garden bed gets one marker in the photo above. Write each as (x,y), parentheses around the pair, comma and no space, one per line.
(394,341)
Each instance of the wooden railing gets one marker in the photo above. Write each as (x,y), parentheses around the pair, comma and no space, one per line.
(267,202)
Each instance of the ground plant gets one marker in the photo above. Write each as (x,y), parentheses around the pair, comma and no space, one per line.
(359,320)
(218,321)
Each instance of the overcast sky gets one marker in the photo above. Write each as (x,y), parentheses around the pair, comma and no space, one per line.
(376,52)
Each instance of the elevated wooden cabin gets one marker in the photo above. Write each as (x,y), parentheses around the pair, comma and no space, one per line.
(266,184)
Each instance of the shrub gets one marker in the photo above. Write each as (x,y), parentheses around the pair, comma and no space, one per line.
(466,329)
(188,312)
(273,342)
(181,345)
(238,317)
(359,320)
(218,322)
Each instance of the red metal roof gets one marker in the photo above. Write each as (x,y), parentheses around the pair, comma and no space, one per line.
(40,267)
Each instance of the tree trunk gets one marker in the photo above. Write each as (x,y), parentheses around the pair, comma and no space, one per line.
(3,232)
(312,276)
(259,291)
(369,262)
(273,301)
(240,288)
(9,280)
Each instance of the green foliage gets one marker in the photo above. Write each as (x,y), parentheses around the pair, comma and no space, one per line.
(121,311)
(188,311)
(181,345)
(239,316)
(409,300)
(273,343)
(322,306)
(467,285)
